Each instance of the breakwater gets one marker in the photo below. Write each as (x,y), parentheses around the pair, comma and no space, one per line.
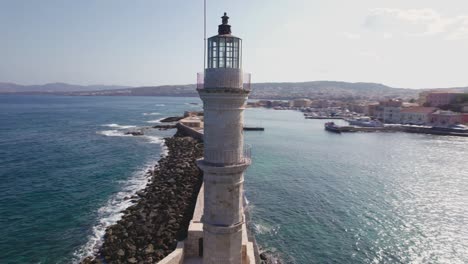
(150,229)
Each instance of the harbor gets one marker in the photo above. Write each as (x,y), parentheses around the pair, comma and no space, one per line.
(332,127)
(360,123)
(354,172)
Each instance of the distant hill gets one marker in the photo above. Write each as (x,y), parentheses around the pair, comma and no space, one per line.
(330,90)
(164,90)
(53,87)
(285,90)
(290,90)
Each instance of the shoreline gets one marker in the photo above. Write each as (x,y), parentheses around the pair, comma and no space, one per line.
(150,228)
(110,213)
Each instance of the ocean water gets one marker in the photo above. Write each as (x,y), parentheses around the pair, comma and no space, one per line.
(315,197)
(66,167)
(320,197)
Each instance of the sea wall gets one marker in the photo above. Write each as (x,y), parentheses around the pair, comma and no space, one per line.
(150,230)
(176,257)
(184,130)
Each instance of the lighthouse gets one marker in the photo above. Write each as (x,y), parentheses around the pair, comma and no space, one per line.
(225,160)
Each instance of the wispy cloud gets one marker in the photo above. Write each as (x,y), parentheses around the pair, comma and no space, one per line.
(417,22)
(387,35)
(370,54)
(350,35)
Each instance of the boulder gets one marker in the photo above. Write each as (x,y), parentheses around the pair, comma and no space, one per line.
(134,133)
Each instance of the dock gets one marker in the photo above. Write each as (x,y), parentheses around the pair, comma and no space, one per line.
(399,128)
(432,131)
(368,129)
(324,117)
(254,128)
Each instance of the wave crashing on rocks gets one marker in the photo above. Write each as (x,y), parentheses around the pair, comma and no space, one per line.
(150,229)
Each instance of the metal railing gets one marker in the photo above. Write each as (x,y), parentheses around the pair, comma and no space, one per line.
(200,80)
(247,79)
(247,151)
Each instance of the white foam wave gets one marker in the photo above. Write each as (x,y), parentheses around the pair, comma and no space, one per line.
(113,133)
(261,229)
(158,140)
(154,139)
(160,105)
(266,229)
(164,149)
(118,126)
(157,121)
(155,113)
(110,213)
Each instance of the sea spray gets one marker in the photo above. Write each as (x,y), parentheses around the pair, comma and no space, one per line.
(112,212)
(155,140)
(157,121)
(113,133)
(117,126)
(146,232)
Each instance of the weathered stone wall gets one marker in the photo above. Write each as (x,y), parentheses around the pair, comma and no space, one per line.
(223,78)
(223,128)
(176,257)
(184,130)
(223,165)
(193,243)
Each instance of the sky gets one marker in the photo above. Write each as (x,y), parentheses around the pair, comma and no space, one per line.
(400,43)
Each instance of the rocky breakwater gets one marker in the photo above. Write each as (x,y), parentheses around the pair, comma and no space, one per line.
(149,229)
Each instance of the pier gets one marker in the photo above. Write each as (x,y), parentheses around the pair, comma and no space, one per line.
(402,128)
(254,128)
(324,117)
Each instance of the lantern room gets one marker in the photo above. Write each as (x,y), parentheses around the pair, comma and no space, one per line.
(224,49)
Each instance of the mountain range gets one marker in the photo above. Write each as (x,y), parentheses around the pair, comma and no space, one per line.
(273,90)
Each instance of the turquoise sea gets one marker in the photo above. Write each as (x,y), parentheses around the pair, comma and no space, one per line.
(315,197)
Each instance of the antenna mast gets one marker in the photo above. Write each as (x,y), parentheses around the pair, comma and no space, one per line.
(204,35)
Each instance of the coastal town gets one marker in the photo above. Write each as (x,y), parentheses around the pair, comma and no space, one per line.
(433,108)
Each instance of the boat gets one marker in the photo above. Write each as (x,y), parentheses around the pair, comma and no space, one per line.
(457,128)
(332,127)
(365,122)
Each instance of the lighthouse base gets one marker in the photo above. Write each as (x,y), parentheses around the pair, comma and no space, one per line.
(221,244)
(195,250)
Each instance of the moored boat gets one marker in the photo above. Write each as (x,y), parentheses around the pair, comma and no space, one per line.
(365,122)
(332,127)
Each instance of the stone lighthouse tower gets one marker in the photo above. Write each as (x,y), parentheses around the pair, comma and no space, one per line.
(224,162)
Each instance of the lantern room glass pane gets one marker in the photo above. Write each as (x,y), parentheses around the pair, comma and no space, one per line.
(221,63)
(209,53)
(240,53)
(224,52)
